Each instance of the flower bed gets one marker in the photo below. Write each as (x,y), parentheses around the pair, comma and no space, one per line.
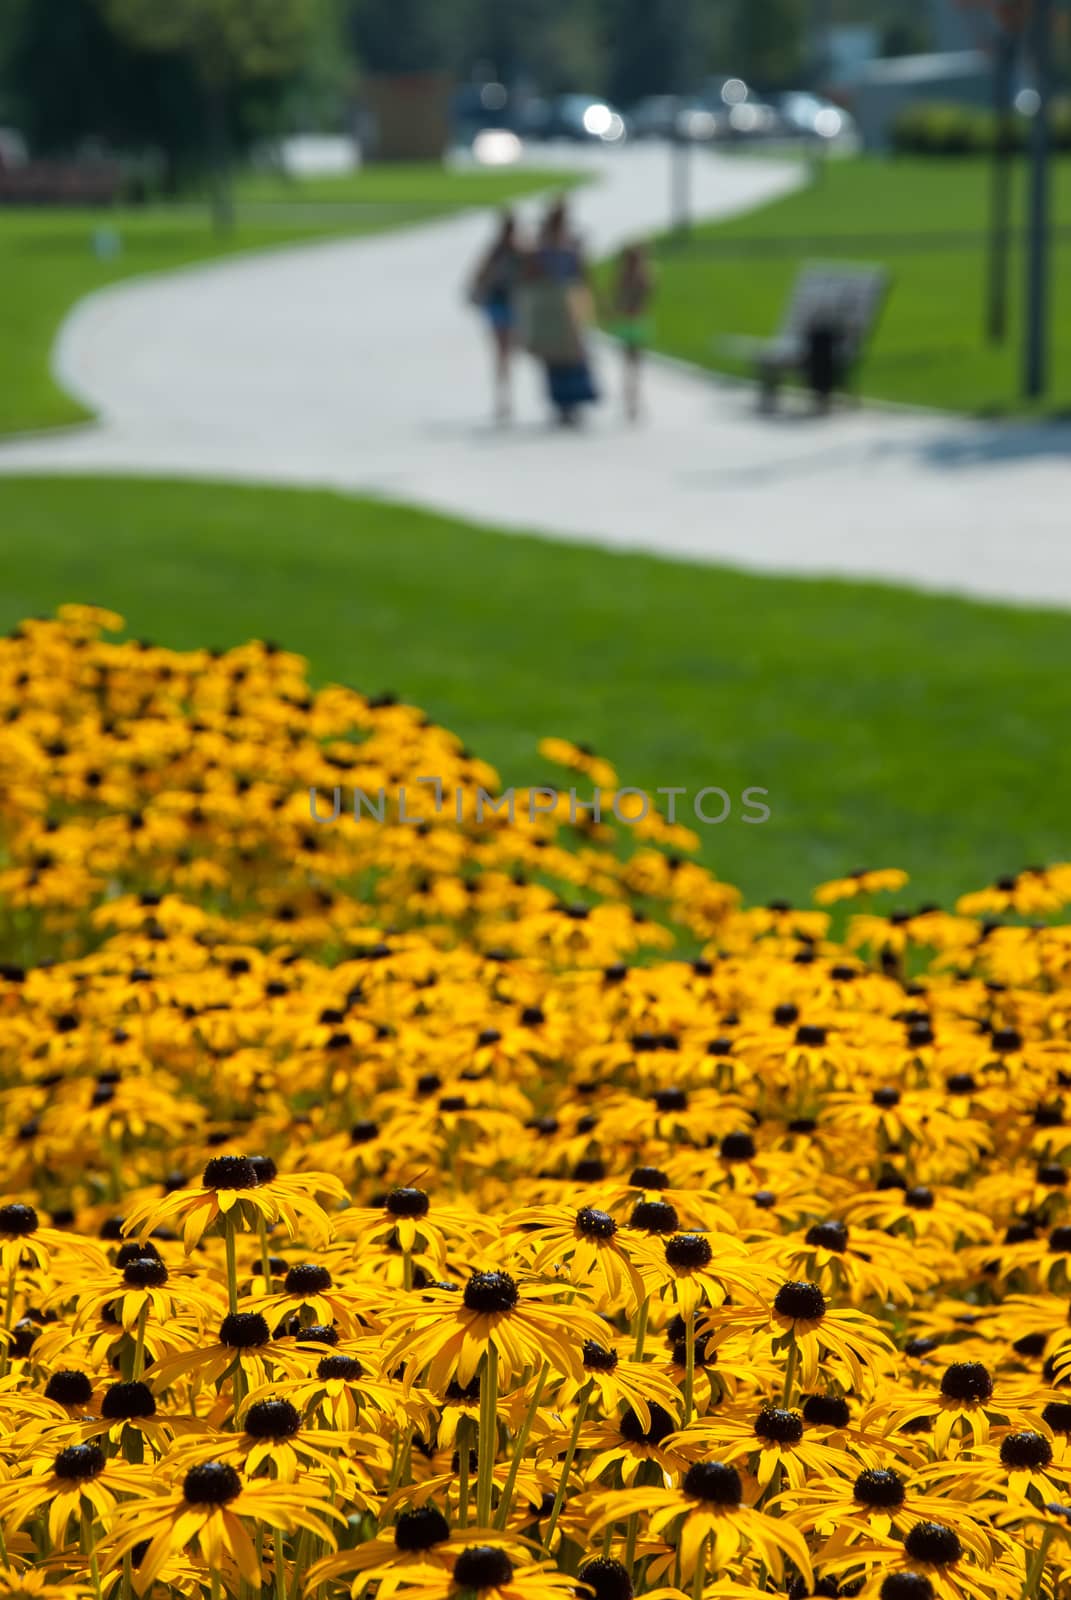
(386,1206)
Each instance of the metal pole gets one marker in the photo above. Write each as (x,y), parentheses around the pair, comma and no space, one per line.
(1000,188)
(681,153)
(1035,367)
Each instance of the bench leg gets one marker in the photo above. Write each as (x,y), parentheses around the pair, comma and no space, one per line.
(769,387)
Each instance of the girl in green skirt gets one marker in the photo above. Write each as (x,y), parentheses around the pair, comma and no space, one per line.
(633,293)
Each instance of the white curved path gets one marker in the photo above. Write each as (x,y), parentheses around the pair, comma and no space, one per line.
(355,365)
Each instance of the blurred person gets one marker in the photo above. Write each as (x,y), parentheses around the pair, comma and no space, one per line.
(633,294)
(494,291)
(560,312)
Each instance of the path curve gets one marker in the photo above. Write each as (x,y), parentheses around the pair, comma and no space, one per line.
(354,365)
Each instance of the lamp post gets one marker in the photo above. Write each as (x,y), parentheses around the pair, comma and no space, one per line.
(1005,48)
(1035,363)
(681,149)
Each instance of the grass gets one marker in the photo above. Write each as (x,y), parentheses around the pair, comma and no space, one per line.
(889,727)
(48,260)
(926,220)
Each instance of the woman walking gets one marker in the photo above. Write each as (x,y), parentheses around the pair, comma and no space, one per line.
(563,297)
(494,291)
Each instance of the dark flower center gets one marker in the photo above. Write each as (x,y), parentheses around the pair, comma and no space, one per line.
(272,1419)
(125,1401)
(78,1462)
(597,1358)
(17,1219)
(966,1380)
(826,1411)
(662,1425)
(737,1147)
(144,1273)
(594,1224)
(1025,1449)
(482,1566)
(608,1578)
(907,1586)
(886,1097)
(646,1178)
(339,1367)
(464,1393)
(779,1426)
(230,1172)
(317,1333)
(654,1216)
(715,1482)
(919,1199)
(672,1099)
(802,1302)
(242,1330)
(211,1483)
(933,1543)
(828,1236)
(1057,1414)
(264,1168)
(490,1291)
(879,1486)
(69,1388)
(307,1278)
(688,1251)
(1060,1240)
(363,1132)
(408,1203)
(808,1034)
(421,1529)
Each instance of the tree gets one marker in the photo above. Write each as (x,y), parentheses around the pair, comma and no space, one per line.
(767,41)
(227,43)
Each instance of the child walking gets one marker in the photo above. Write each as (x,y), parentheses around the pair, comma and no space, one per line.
(633,294)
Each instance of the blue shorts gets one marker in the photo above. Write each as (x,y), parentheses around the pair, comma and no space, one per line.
(500,315)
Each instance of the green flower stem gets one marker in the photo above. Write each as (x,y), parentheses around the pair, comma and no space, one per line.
(89,1547)
(279,1560)
(9,1318)
(689,1366)
(567,1464)
(1035,1571)
(641,1328)
(265,1265)
(519,1449)
(463,1436)
(232,1261)
(485,1450)
(139,1340)
(790,1375)
(700,1573)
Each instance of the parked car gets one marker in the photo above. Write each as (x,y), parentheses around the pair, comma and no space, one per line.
(585,120)
(813,117)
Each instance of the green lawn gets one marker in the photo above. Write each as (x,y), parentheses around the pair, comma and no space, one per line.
(889,727)
(48,261)
(735,277)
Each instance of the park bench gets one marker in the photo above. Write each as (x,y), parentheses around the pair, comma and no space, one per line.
(55,183)
(831,314)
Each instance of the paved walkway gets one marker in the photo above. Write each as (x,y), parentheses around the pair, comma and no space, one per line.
(356,365)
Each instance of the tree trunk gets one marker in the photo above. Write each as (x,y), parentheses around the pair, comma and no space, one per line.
(219,159)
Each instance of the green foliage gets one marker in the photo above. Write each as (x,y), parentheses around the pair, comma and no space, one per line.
(937,128)
(227,40)
(767,41)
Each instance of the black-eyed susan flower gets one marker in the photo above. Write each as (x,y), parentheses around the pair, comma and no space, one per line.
(215,1512)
